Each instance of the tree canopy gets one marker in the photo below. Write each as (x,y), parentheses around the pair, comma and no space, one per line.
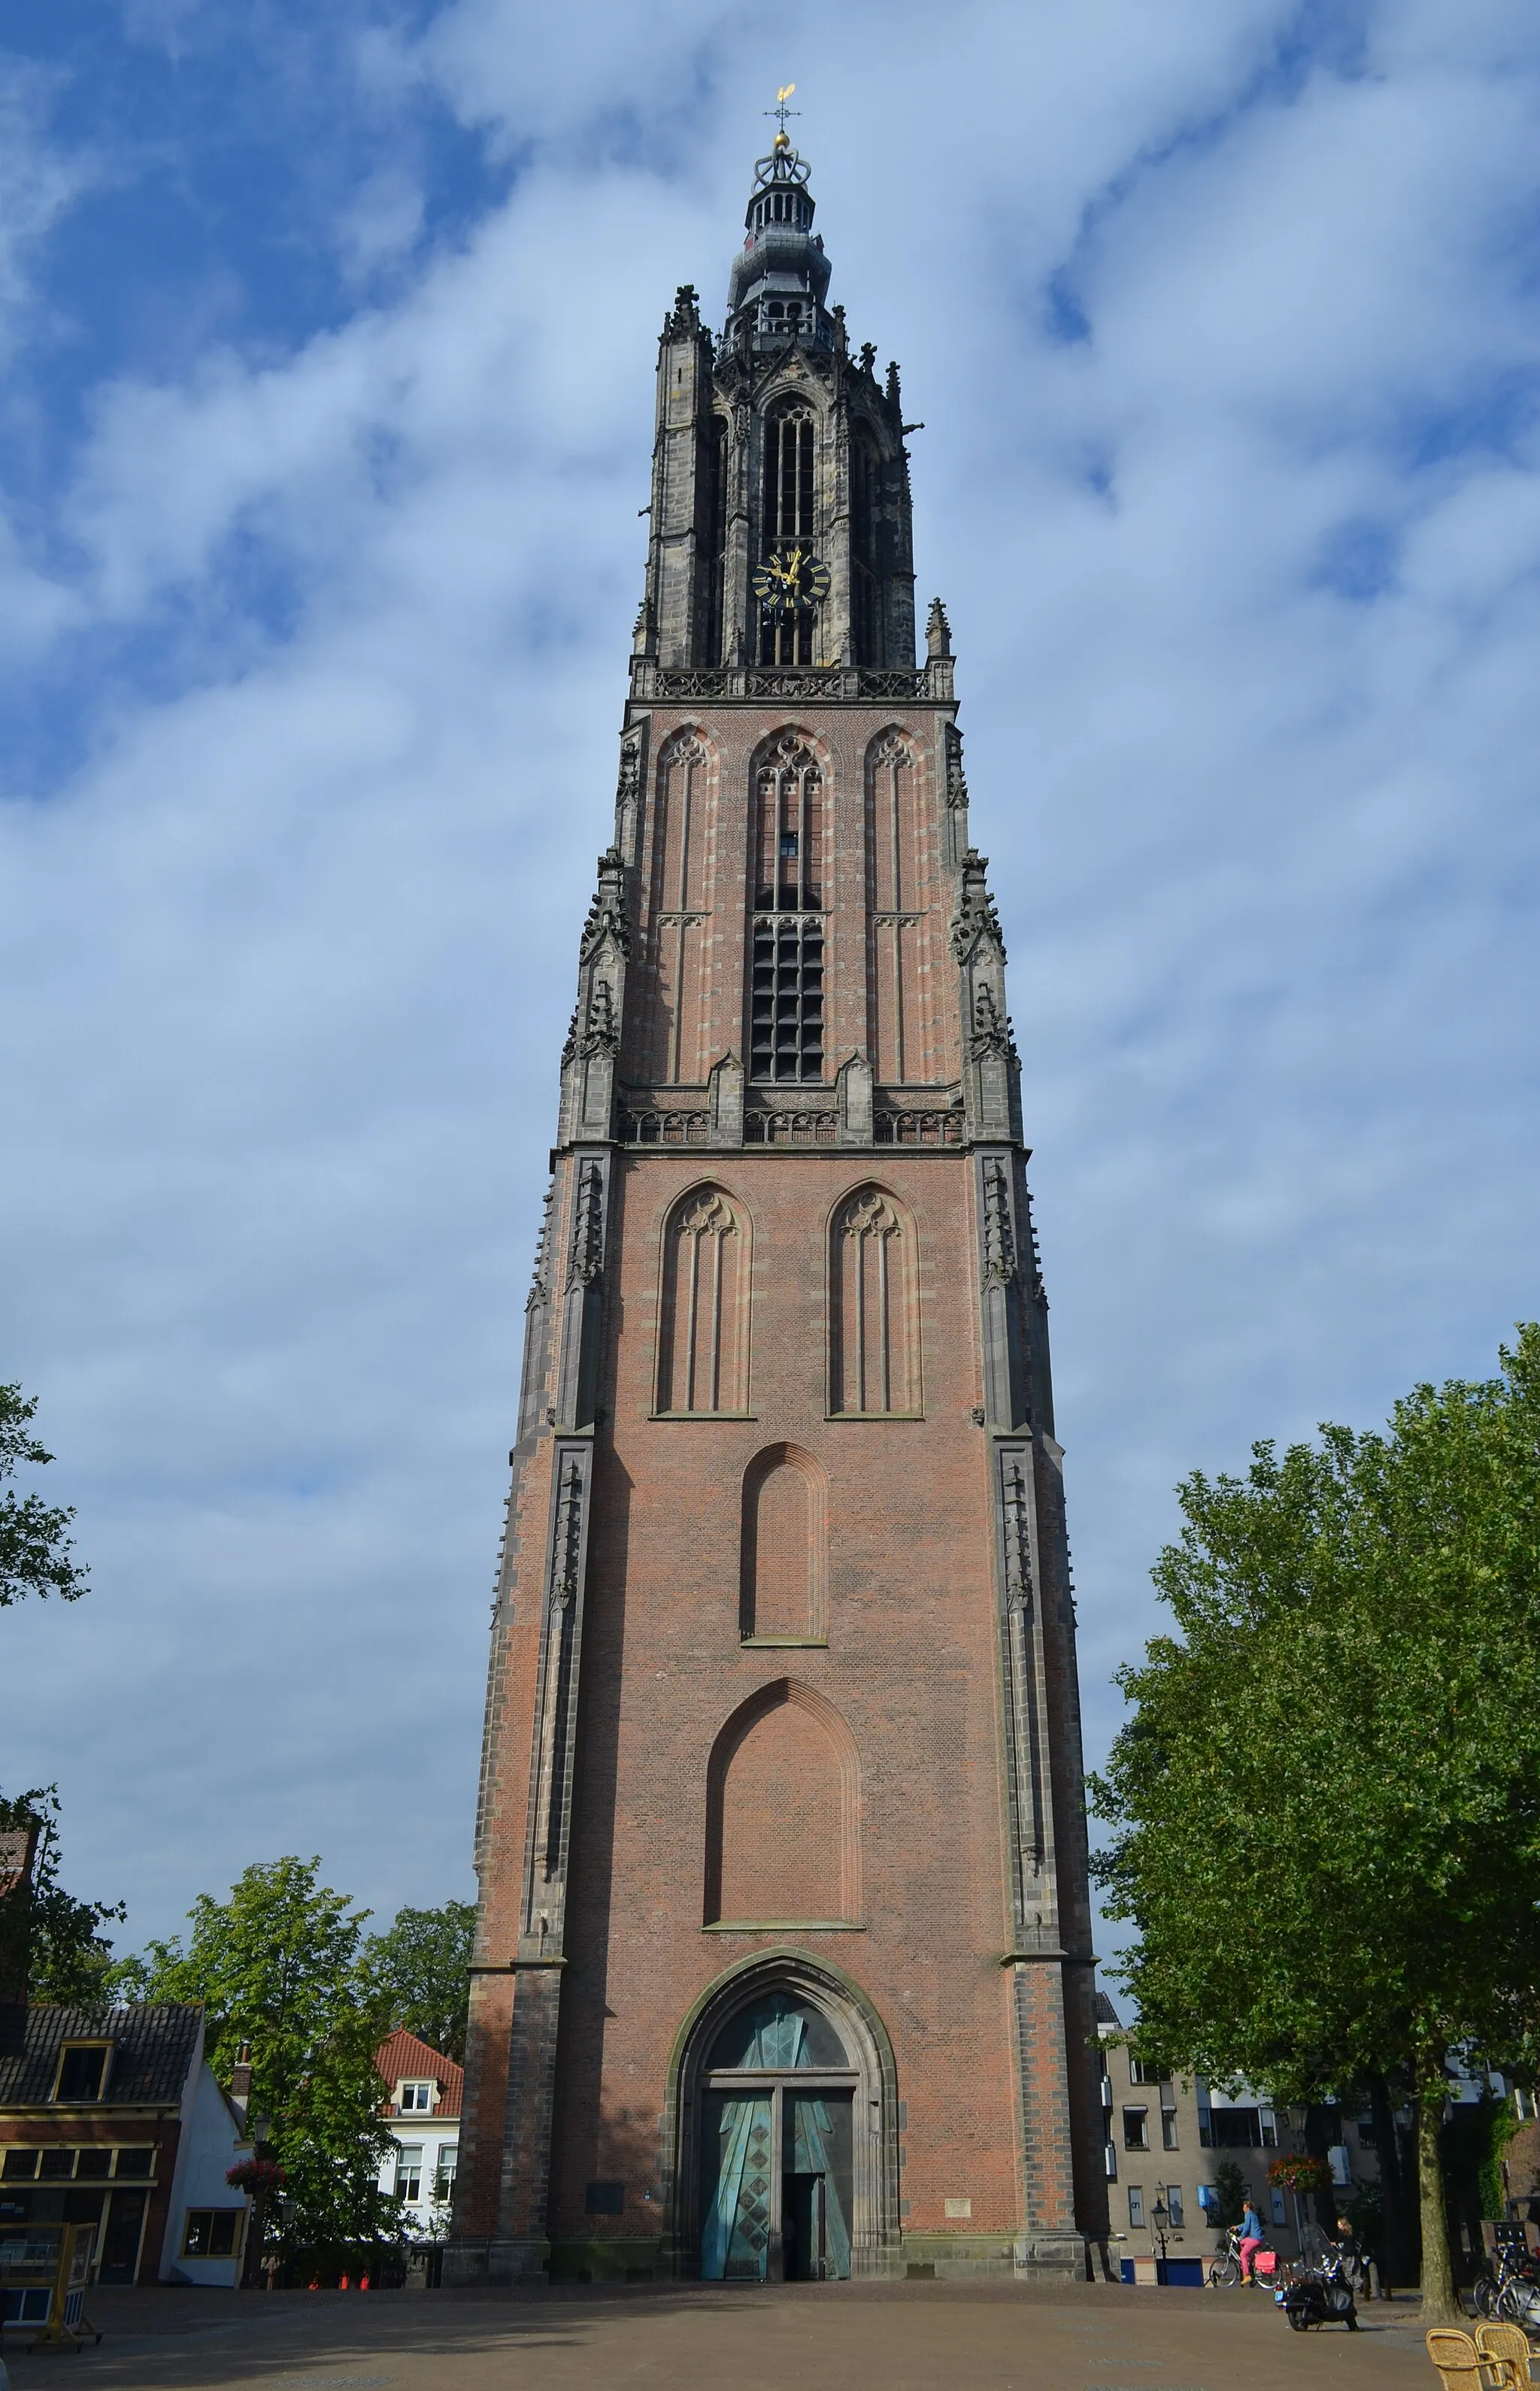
(418,1969)
(277,1967)
(69,1960)
(34,1539)
(1326,1805)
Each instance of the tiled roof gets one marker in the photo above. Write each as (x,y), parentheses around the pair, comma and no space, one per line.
(153,2047)
(402,2055)
(1103,2012)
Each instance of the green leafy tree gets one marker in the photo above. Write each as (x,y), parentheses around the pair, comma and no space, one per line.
(278,1966)
(419,1968)
(35,1543)
(1326,1801)
(69,1960)
(1229,2195)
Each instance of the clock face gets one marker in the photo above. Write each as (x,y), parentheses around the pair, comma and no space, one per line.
(791,581)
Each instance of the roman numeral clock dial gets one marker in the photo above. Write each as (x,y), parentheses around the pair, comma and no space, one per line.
(791,581)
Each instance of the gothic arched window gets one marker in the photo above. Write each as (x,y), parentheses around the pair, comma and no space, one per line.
(786,965)
(865,547)
(704,1322)
(789,516)
(873,1317)
(713,577)
(671,1017)
(903,1034)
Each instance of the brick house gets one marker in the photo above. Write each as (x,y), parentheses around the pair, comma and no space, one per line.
(112,2118)
(422,2111)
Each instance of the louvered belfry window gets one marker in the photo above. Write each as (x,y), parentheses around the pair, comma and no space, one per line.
(787,1002)
(789,520)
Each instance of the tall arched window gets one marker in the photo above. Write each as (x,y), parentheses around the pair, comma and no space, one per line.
(675,992)
(703,1324)
(899,888)
(865,547)
(873,1317)
(713,535)
(789,517)
(786,963)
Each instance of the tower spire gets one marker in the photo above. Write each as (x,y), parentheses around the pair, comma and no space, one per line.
(780,277)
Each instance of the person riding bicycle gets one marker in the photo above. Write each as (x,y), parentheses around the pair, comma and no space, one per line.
(1250,2242)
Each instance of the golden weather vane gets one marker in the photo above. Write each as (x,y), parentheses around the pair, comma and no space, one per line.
(781,112)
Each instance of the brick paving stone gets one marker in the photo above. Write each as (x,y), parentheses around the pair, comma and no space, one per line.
(808,2337)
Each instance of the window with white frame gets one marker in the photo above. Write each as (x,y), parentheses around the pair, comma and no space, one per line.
(415,2096)
(443,2178)
(408,2171)
(1173,2206)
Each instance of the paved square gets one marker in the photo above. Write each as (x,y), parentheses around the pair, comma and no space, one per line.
(805,2337)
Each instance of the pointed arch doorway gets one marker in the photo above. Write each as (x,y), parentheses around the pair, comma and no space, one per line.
(785,2119)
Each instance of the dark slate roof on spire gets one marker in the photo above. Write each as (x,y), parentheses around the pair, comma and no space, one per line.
(154,2044)
(1104,2013)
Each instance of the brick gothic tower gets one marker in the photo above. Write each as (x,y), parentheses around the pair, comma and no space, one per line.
(783,1963)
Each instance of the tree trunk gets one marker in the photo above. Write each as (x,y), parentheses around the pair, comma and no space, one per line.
(1391,2189)
(1440,2305)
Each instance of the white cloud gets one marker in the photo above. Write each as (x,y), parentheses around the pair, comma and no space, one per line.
(1245,594)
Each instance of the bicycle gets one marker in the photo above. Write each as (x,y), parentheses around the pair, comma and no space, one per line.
(1509,2290)
(1225,2271)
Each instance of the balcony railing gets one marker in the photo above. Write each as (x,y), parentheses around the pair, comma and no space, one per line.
(753,684)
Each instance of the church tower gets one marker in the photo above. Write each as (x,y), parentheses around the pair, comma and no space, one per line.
(784,1962)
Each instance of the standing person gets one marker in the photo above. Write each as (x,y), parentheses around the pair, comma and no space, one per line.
(1250,2241)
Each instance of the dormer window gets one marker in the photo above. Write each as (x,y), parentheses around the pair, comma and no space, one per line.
(415,2096)
(83,2070)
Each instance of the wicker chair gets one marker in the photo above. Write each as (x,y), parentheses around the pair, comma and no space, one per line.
(1504,2351)
(1457,2358)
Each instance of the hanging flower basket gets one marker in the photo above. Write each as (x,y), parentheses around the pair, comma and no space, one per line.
(256,2176)
(1298,2172)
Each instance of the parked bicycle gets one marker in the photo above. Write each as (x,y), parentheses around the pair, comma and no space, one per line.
(1508,2289)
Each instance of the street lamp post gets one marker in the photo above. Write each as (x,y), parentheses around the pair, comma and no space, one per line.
(262,2131)
(1160,2218)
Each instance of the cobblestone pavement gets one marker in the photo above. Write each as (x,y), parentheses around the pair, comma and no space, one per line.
(804,2338)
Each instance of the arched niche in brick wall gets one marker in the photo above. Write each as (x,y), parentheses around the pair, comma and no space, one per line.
(783,1814)
(784,1549)
(873,1307)
(703,1352)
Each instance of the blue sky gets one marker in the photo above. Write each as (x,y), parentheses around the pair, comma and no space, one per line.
(326,341)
